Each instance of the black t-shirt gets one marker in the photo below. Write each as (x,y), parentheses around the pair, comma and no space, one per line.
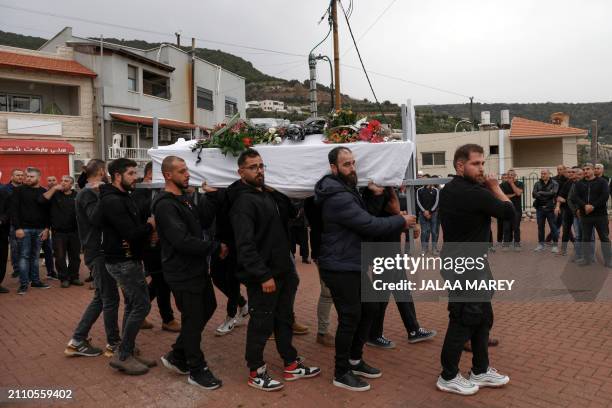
(516,200)
(466,209)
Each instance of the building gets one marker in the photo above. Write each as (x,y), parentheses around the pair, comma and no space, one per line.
(268,105)
(527,147)
(46,117)
(253,105)
(186,93)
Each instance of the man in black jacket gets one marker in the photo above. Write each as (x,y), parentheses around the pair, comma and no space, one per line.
(61,199)
(346,224)
(427,199)
(106,295)
(158,287)
(467,204)
(591,197)
(124,236)
(545,193)
(184,253)
(30,219)
(260,218)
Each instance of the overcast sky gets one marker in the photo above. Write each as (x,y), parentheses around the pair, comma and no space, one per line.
(496,51)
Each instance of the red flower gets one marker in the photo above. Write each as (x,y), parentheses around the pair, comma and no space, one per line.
(247,141)
(365,134)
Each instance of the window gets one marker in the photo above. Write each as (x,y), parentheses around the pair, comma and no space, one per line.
(493,149)
(231,106)
(433,159)
(20,103)
(155,85)
(133,78)
(205,99)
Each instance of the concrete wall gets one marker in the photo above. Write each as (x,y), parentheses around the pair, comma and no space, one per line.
(77,130)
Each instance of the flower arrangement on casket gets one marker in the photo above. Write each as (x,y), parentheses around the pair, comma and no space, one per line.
(372,132)
(236,136)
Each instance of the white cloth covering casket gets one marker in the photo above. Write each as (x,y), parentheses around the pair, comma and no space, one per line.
(292,167)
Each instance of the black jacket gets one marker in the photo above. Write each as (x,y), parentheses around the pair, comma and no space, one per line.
(124,235)
(260,222)
(183,247)
(88,216)
(62,209)
(5,219)
(346,224)
(313,216)
(27,211)
(545,193)
(595,192)
(428,198)
(151,257)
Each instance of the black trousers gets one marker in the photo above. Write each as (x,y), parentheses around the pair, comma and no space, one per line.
(67,253)
(467,321)
(599,223)
(500,229)
(354,317)
(159,289)
(223,276)
(4,245)
(406,310)
(512,228)
(299,236)
(271,313)
(197,307)
(567,222)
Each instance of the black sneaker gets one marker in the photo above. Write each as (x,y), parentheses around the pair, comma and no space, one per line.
(76,282)
(40,285)
(421,335)
(381,342)
(52,276)
(261,380)
(297,370)
(364,370)
(350,381)
(4,290)
(84,348)
(174,364)
(204,379)
(65,284)
(89,279)
(22,290)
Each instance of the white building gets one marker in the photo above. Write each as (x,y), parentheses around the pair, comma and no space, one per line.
(268,105)
(133,86)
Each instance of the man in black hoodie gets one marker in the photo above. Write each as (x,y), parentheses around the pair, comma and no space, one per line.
(4,235)
(124,236)
(260,220)
(184,265)
(591,197)
(346,224)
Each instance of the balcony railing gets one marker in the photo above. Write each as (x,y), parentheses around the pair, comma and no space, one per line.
(137,154)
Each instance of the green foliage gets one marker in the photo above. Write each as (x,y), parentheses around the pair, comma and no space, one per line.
(21,41)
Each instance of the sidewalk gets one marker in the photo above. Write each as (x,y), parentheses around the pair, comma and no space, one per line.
(556,354)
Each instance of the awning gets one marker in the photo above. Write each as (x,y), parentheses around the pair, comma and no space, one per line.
(27,146)
(38,63)
(148,121)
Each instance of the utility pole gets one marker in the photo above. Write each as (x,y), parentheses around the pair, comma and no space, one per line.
(334,10)
(472,112)
(594,145)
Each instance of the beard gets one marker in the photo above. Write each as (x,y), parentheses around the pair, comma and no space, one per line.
(181,186)
(349,179)
(257,181)
(477,179)
(128,186)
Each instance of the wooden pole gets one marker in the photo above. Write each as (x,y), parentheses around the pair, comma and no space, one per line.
(594,145)
(338,100)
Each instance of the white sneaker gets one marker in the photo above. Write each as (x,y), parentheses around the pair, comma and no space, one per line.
(489,379)
(242,315)
(457,385)
(539,248)
(555,249)
(226,327)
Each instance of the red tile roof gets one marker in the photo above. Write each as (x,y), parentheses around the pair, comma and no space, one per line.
(53,65)
(525,128)
(147,120)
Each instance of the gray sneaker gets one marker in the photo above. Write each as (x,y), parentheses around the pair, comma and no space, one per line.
(539,248)
(489,379)
(458,385)
(129,366)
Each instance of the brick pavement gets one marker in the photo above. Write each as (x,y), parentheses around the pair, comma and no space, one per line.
(557,355)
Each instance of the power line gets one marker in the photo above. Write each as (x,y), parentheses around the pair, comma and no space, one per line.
(371,25)
(361,61)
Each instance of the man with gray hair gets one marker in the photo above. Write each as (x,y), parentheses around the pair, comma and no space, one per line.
(62,208)
(30,218)
(598,170)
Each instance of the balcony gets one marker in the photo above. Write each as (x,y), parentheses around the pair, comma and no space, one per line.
(133,153)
